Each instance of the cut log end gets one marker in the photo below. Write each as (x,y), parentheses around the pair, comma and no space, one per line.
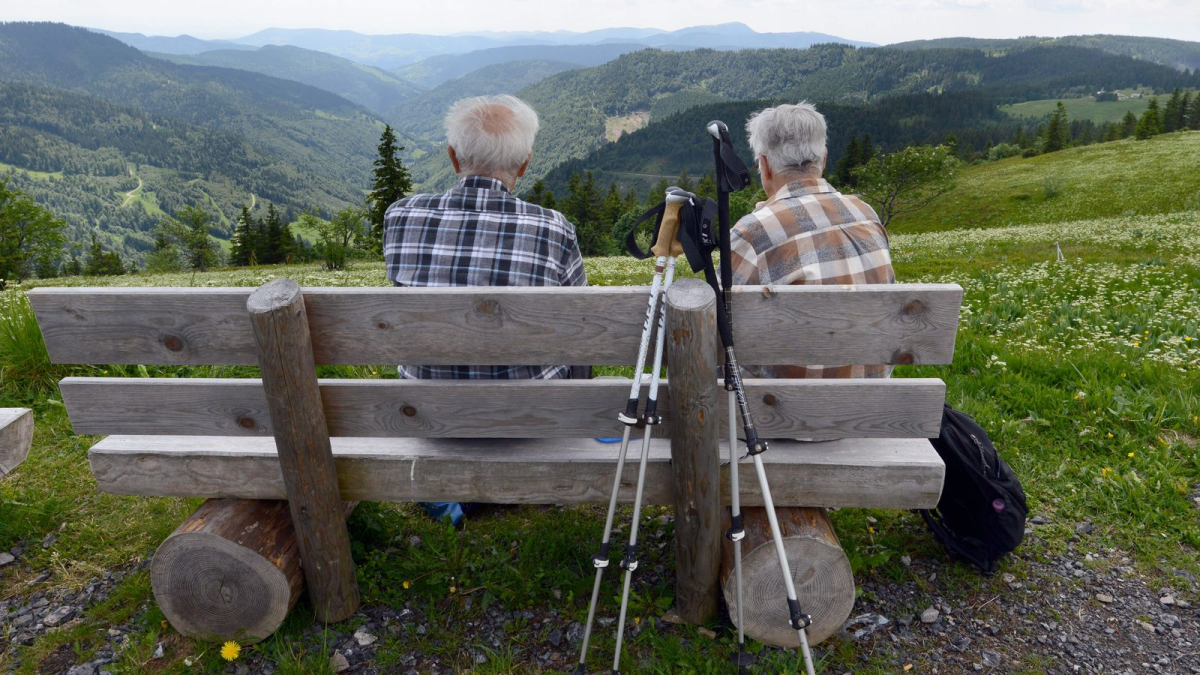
(819,567)
(16,436)
(214,589)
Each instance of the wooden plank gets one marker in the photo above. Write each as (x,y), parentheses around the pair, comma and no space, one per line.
(898,323)
(289,381)
(691,337)
(877,473)
(16,436)
(814,409)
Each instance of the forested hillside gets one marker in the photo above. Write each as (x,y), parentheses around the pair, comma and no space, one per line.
(435,70)
(116,170)
(1178,54)
(367,86)
(313,130)
(422,115)
(575,104)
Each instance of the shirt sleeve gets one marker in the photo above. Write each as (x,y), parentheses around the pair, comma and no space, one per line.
(745,261)
(571,264)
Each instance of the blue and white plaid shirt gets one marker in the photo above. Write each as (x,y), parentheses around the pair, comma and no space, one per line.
(479,234)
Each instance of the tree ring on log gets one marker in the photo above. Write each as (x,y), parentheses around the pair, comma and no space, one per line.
(213,589)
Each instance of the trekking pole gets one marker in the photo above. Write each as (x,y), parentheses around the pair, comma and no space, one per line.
(666,243)
(664,265)
(732,175)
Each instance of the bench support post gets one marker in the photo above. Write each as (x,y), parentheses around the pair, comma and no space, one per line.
(695,460)
(280,325)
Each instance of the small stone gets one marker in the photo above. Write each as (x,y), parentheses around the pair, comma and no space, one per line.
(158,651)
(872,521)
(338,662)
(1148,627)
(859,627)
(6,559)
(1171,621)
(962,643)
(1104,597)
(991,659)
(82,669)
(556,593)
(1037,520)
(1166,600)
(555,638)
(672,617)
(363,638)
(977,666)
(22,620)
(1008,578)
(930,615)
(58,616)
(1085,527)
(707,633)
(49,540)
(113,632)
(414,541)
(905,560)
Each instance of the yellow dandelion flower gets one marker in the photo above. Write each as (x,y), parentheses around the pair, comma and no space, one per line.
(453,589)
(1105,471)
(1187,338)
(1131,454)
(871,530)
(1109,434)
(230,650)
(406,585)
(1137,344)
(1147,333)
(637,619)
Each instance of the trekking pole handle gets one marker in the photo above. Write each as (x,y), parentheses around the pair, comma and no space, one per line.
(667,243)
(716,128)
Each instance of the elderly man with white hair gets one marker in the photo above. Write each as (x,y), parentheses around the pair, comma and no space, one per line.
(806,232)
(479,233)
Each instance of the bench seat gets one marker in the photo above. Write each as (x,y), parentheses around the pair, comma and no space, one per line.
(878,473)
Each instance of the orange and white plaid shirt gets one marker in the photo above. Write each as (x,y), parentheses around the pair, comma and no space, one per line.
(809,233)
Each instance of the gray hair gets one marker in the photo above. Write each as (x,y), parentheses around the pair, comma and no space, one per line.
(791,137)
(491,134)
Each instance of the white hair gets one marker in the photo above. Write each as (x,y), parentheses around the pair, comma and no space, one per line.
(791,137)
(491,134)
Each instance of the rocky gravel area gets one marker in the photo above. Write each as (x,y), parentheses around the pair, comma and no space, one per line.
(1087,610)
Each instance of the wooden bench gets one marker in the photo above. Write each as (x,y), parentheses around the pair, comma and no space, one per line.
(16,435)
(494,441)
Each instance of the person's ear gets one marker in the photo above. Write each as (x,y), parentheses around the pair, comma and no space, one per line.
(524,167)
(764,168)
(453,158)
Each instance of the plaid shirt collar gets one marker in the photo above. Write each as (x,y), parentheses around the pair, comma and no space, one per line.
(483,183)
(802,187)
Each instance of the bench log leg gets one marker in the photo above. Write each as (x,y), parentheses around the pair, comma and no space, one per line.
(820,570)
(289,377)
(231,571)
(695,409)
(16,435)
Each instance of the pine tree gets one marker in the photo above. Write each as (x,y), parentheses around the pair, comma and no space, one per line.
(582,208)
(537,193)
(1020,139)
(706,187)
(242,250)
(392,183)
(1058,133)
(1185,109)
(1194,114)
(1172,114)
(684,181)
(1128,124)
(1151,123)
(549,202)
(610,208)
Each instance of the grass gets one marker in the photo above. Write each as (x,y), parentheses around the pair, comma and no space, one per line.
(1107,180)
(1086,373)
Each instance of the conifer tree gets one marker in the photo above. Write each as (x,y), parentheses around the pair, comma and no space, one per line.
(706,187)
(610,208)
(1058,133)
(1151,123)
(685,182)
(537,193)
(1186,110)
(392,183)
(1128,124)
(1172,114)
(1194,114)
(242,243)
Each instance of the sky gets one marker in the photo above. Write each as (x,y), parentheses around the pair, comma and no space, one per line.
(873,21)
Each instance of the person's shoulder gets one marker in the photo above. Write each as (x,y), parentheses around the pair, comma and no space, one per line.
(550,216)
(417,201)
(862,211)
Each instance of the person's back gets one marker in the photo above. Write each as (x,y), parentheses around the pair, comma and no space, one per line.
(479,233)
(806,232)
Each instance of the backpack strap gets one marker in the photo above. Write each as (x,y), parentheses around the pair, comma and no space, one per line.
(631,244)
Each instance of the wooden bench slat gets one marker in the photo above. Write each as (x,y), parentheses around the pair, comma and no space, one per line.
(815,409)
(900,323)
(878,473)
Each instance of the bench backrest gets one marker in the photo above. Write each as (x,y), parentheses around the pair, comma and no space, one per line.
(791,325)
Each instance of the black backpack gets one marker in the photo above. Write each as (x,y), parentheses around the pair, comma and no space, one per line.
(981,515)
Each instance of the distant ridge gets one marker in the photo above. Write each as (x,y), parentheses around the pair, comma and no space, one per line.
(1177,54)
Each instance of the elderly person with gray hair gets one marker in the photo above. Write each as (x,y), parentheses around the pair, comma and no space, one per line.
(806,232)
(479,233)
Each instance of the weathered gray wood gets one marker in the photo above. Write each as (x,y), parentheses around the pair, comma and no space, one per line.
(819,567)
(691,338)
(898,323)
(231,571)
(289,380)
(16,436)
(876,473)
(814,409)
